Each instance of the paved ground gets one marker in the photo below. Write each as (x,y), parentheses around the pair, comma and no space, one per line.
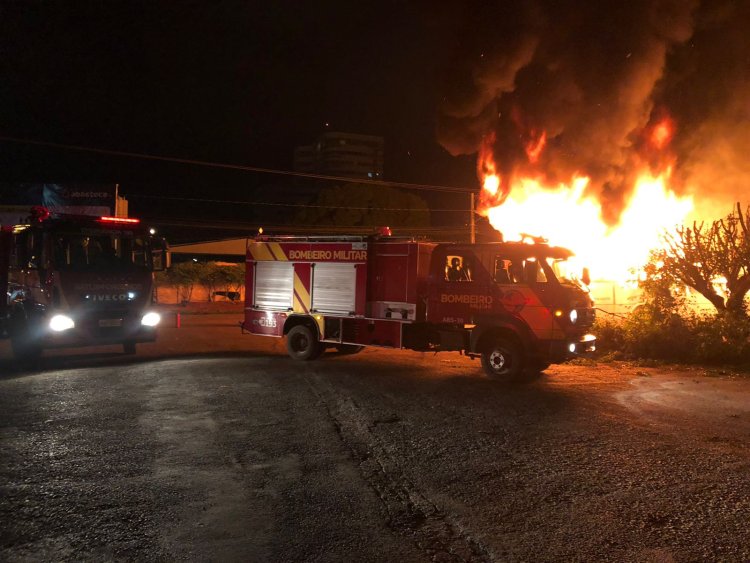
(210,445)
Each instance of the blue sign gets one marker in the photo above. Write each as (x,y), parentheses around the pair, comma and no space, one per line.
(16,199)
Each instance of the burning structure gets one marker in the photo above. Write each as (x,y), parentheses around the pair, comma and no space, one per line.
(599,124)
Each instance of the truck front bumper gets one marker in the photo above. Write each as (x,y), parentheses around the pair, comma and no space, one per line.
(572,347)
(76,338)
(583,345)
(94,329)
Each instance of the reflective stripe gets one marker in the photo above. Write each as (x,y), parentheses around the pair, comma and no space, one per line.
(301,296)
(276,251)
(260,251)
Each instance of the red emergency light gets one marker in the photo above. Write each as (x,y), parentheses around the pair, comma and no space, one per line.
(39,213)
(124,220)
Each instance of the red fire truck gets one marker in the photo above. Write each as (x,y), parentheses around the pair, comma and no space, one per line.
(78,281)
(509,303)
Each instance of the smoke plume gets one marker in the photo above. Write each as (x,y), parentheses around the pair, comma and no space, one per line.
(596,78)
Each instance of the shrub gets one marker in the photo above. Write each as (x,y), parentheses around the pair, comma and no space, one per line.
(653,333)
(724,339)
(610,336)
(689,338)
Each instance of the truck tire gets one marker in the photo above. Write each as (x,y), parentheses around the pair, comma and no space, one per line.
(128,348)
(302,344)
(25,349)
(502,359)
(347,349)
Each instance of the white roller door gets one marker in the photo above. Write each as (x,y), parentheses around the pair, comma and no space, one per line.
(334,287)
(274,285)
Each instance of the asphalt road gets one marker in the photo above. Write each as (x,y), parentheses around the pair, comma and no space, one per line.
(211,445)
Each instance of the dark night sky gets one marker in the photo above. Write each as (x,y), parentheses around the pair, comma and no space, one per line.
(246,82)
(238,82)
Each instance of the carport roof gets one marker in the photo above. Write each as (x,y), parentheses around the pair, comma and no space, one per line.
(235,246)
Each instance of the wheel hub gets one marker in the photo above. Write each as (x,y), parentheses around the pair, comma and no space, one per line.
(497,360)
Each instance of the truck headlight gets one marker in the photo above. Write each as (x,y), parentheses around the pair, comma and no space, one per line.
(59,323)
(573,316)
(151,319)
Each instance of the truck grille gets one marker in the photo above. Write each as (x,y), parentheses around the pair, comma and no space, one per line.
(586,318)
(106,323)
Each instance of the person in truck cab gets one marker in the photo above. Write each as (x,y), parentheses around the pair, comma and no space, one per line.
(516,271)
(455,271)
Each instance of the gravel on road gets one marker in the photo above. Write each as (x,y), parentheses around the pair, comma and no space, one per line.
(211,445)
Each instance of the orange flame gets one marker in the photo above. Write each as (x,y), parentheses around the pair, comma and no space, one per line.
(661,134)
(535,147)
(491,194)
(568,216)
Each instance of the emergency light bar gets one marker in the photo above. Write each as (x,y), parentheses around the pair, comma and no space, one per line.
(119,220)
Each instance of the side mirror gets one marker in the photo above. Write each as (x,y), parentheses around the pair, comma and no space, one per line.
(161,257)
(586,276)
(22,252)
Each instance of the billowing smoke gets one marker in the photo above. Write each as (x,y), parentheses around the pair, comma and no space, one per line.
(595,78)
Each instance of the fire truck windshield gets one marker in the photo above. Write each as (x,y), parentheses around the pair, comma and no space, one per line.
(566,270)
(103,251)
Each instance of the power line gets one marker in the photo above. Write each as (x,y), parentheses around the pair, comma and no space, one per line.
(209,164)
(243,202)
(452,231)
(243,225)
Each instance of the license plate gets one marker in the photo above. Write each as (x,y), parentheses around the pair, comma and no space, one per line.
(110,322)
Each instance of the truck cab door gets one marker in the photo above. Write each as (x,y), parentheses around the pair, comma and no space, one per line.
(459,288)
(523,286)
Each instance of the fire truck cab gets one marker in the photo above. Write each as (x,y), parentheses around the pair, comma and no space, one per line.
(78,281)
(508,303)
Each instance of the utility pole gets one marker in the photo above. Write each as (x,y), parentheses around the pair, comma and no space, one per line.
(472,226)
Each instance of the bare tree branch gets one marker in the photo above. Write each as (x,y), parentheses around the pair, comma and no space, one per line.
(702,256)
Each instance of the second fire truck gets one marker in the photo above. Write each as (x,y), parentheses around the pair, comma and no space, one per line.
(78,281)
(510,304)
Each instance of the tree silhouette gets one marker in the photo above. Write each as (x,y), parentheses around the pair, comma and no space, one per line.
(713,259)
(365,205)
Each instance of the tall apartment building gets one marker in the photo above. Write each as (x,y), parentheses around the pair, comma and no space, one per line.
(348,155)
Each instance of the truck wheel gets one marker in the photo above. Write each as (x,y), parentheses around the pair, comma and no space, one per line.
(348,348)
(302,344)
(128,348)
(502,360)
(25,348)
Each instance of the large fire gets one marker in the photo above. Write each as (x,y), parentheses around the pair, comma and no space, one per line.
(567,216)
